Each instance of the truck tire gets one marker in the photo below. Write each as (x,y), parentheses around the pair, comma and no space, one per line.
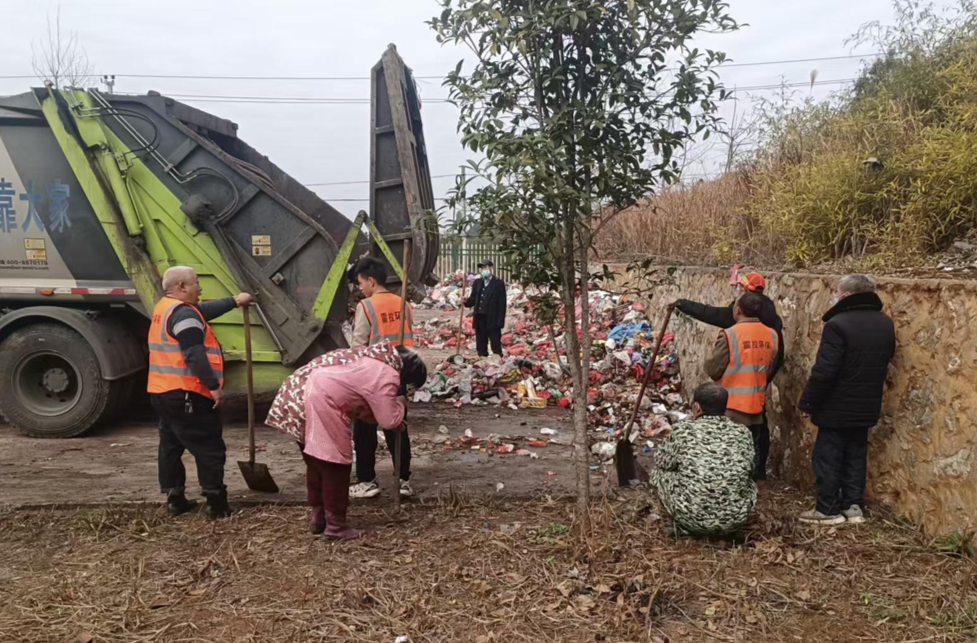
(52,382)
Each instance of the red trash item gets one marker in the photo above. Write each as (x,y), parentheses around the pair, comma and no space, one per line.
(508,339)
(538,444)
(564,403)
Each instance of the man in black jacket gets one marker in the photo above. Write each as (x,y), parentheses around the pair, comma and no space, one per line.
(723,318)
(843,397)
(488,300)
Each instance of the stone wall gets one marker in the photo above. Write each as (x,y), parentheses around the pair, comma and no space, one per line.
(922,454)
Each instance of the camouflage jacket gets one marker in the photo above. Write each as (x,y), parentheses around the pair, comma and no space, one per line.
(704,475)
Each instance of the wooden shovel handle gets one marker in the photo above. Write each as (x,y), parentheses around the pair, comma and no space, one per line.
(245,310)
(644,382)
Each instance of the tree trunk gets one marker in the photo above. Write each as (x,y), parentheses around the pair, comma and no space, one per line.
(581,377)
(581,438)
(580,420)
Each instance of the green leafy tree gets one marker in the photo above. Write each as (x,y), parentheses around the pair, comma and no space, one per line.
(578,109)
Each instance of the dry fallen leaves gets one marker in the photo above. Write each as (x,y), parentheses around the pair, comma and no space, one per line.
(259,576)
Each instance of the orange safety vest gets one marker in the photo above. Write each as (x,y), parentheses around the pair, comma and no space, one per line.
(751,349)
(383,311)
(168,371)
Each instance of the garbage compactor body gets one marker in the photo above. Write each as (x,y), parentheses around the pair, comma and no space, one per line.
(101,193)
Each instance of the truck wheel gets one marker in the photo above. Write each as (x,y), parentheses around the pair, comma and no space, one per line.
(55,384)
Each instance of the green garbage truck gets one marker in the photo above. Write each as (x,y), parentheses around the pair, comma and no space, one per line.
(101,193)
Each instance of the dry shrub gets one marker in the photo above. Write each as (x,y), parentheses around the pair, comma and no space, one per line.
(809,195)
(683,223)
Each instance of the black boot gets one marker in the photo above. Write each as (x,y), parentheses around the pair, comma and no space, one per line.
(217,506)
(177,503)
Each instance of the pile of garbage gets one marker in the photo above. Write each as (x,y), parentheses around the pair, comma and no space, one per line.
(535,372)
(447,295)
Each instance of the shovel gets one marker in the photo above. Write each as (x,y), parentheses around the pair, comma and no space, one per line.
(256,474)
(624,462)
(399,437)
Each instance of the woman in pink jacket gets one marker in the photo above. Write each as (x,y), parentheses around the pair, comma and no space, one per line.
(315,406)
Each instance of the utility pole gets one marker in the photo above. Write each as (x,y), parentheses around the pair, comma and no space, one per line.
(109,81)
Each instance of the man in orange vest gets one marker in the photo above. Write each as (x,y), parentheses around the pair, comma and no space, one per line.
(722,316)
(186,378)
(742,360)
(378,319)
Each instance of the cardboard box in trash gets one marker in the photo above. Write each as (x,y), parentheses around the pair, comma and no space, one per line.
(528,399)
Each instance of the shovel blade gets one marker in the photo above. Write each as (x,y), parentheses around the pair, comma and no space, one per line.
(257,477)
(627,469)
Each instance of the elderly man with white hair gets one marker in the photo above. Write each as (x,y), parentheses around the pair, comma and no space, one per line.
(843,398)
(186,377)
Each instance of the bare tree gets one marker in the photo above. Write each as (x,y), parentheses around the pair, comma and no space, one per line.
(59,58)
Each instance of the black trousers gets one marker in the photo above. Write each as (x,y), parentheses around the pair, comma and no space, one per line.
(484,335)
(761,448)
(365,445)
(197,429)
(840,461)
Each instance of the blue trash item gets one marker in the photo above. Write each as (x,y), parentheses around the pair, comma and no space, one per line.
(624,332)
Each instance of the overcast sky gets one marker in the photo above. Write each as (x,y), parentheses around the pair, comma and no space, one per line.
(329,143)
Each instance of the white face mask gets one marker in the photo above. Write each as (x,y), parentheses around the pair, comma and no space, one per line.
(486,273)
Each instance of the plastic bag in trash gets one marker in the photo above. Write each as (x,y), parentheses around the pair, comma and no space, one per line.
(553,371)
(604,450)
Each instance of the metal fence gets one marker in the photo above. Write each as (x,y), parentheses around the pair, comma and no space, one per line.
(464,253)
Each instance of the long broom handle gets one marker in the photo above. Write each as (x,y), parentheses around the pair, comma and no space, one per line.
(250,369)
(398,438)
(644,382)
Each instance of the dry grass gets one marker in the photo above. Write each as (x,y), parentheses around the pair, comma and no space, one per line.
(687,224)
(473,569)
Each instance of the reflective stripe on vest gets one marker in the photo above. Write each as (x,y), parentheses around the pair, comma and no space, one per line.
(383,312)
(168,370)
(751,349)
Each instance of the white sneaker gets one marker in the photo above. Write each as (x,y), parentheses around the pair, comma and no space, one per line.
(364,490)
(405,490)
(815,517)
(854,515)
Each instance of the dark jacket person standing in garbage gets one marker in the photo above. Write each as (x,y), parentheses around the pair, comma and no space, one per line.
(723,318)
(843,397)
(488,300)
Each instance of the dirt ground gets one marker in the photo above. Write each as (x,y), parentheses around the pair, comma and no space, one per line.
(118,462)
